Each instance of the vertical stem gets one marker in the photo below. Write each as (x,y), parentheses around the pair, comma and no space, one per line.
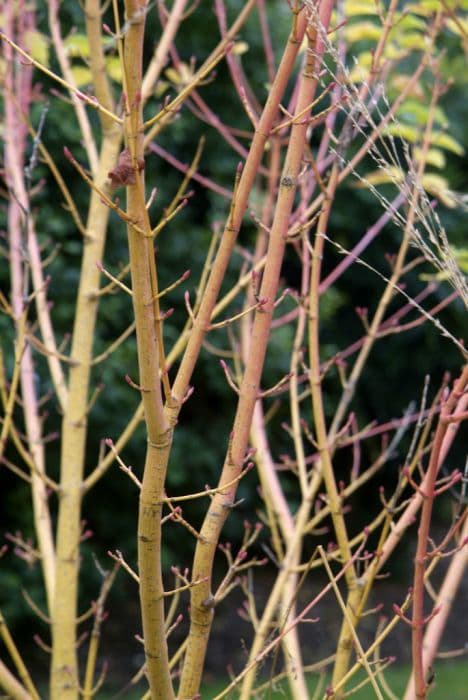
(323,444)
(272,492)
(64,670)
(64,678)
(288,562)
(445,598)
(357,594)
(150,353)
(162,49)
(429,494)
(201,597)
(20,229)
(65,67)
(160,426)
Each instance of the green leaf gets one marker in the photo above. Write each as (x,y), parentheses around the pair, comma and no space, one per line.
(416,112)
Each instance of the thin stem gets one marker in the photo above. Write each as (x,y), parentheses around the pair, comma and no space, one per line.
(418,623)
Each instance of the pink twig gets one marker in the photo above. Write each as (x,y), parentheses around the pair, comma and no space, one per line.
(429,492)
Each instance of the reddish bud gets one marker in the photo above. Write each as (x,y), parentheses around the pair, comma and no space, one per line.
(168,313)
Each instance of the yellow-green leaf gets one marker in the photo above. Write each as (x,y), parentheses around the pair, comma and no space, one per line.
(410,40)
(82,75)
(77,45)
(443,140)
(38,46)
(362,31)
(352,8)
(161,87)
(428,7)
(461,256)
(409,21)
(434,157)
(459,27)
(399,82)
(173,76)
(382,177)
(360,70)
(394,52)
(438,186)
(114,68)
(403,131)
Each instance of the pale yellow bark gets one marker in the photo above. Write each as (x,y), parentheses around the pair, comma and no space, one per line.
(64,671)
